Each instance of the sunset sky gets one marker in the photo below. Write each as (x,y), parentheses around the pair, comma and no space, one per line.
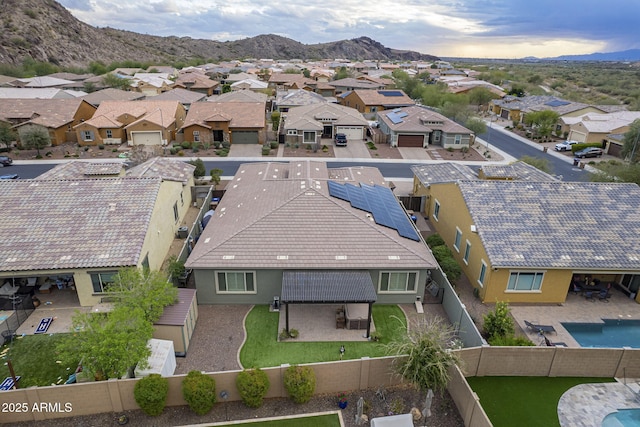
(445,28)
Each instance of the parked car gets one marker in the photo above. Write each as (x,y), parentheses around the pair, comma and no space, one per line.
(565,145)
(341,139)
(588,152)
(10,176)
(5,161)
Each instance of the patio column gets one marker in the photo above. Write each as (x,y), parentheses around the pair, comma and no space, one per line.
(369,320)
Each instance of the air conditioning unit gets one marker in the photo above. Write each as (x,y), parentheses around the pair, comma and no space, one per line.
(182,232)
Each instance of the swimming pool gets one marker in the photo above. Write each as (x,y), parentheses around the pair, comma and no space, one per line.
(612,333)
(622,418)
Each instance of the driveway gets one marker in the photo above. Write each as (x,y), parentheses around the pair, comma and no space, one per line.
(245,150)
(353,150)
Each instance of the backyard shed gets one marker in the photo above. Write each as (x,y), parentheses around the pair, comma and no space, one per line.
(178,321)
(161,361)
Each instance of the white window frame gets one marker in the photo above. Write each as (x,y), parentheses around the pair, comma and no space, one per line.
(483,273)
(407,281)
(87,135)
(196,136)
(109,133)
(102,284)
(458,240)
(458,140)
(467,253)
(436,209)
(245,273)
(517,275)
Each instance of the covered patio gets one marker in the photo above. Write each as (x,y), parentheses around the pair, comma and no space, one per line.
(329,292)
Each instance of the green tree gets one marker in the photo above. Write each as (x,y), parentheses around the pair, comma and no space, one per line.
(517,90)
(342,73)
(542,121)
(476,125)
(112,80)
(631,140)
(200,170)
(98,68)
(275,120)
(537,162)
(498,322)
(615,171)
(226,88)
(89,87)
(215,177)
(35,137)
(425,354)
(7,135)
(292,71)
(480,96)
(306,73)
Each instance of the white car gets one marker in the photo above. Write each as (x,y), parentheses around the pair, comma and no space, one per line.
(565,145)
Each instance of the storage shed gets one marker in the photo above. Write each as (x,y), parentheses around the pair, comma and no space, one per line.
(178,321)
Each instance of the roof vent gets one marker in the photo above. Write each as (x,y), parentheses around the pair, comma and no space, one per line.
(228,257)
(391,257)
(282,257)
(341,257)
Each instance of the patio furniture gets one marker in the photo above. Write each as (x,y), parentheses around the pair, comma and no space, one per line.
(8,289)
(540,328)
(45,288)
(548,342)
(340,319)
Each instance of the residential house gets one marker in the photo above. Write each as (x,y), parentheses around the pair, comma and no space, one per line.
(535,237)
(249,84)
(240,96)
(232,122)
(57,116)
(111,94)
(309,123)
(39,93)
(595,127)
(133,122)
(236,77)
(285,81)
(183,96)
(285,100)
(516,171)
(418,126)
(371,101)
(350,84)
(197,82)
(513,108)
(40,82)
(151,83)
(73,234)
(300,232)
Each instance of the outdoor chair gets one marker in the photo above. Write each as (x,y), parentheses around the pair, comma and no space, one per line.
(548,342)
(540,328)
(604,295)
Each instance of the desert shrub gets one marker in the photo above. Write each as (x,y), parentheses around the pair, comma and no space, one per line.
(180,153)
(199,391)
(294,333)
(101,147)
(225,144)
(39,156)
(86,148)
(510,340)
(274,145)
(300,383)
(114,150)
(498,322)
(284,335)
(266,150)
(174,150)
(206,145)
(151,394)
(451,268)
(252,385)
(434,240)
(186,145)
(307,147)
(223,152)
(325,148)
(48,154)
(441,253)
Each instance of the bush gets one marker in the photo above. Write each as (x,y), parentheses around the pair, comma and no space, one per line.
(266,150)
(225,144)
(114,150)
(151,394)
(511,340)
(253,386)
(284,335)
(174,150)
(451,268)
(186,145)
(101,147)
(200,170)
(300,383)
(441,253)
(435,240)
(199,390)
(223,152)
(274,145)
(498,322)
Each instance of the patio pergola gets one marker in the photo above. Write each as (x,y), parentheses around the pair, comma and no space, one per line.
(328,287)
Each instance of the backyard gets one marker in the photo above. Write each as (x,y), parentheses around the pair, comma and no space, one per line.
(520,401)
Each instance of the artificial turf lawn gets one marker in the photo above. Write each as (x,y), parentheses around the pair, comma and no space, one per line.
(34,359)
(261,349)
(524,401)
(330,420)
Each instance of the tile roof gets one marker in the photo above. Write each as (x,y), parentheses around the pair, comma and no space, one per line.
(298,97)
(53,113)
(520,171)
(280,215)
(356,84)
(111,94)
(239,114)
(38,93)
(239,96)
(438,173)
(68,224)
(343,116)
(153,111)
(80,169)
(378,97)
(165,168)
(556,224)
(327,287)
(183,96)
(419,119)
(177,314)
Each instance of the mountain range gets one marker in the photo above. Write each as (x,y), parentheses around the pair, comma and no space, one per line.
(44,30)
(624,55)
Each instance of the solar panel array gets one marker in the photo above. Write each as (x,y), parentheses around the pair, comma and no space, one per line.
(380,202)
(390,93)
(396,116)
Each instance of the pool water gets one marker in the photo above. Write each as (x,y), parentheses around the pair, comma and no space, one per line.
(612,333)
(622,418)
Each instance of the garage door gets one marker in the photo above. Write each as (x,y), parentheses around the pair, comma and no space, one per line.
(146,138)
(410,140)
(244,137)
(577,136)
(352,132)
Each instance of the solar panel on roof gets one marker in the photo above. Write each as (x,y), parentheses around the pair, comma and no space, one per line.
(337,190)
(557,103)
(357,197)
(390,93)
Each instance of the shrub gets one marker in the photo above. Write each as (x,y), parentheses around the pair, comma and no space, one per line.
(307,147)
(274,145)
(225,144)
(151,394)
(101,147)
(114,150)
(451,268)
(510,340)
(224,152)
(294,333)
(199,391)
(174,150)
(300,383)
(180,153)
(441,253)
(498,322)
(200,170)
(266,150)
(252,385)
(48,154)
(186,145)
(284,335)
(325,148)
(435,240)
(86,148)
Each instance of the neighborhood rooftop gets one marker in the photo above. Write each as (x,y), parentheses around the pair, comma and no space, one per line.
(594,225)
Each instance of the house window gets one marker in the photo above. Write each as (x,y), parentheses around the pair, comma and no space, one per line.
(292,132)
(458,139)
(436,136)
(436,210)
(109,133)
(196,136)
(528,281)
(309,137)
(101,281)
(234,282)
(467,251)
(176,216)
(396,282)
(87,135)
(483,272)
(456,243)
(374,109)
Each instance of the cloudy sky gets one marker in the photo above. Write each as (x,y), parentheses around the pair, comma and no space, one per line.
(466,28)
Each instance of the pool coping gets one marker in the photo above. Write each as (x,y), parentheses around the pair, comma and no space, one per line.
(586,405)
